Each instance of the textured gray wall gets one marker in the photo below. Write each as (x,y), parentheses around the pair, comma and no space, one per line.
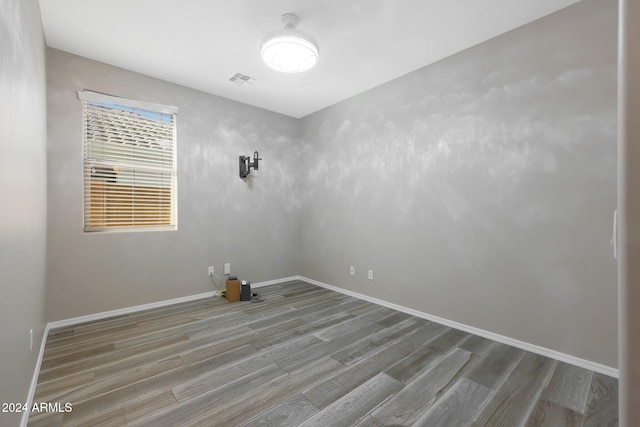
(480,188)
(23,191)
(221,218)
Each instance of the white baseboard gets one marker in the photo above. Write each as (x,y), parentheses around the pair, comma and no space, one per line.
(127,310)
(136,308)
(34,379)
(543,351)
(274,282)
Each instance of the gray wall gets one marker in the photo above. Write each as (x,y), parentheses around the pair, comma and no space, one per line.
(221,218)
(23,191)
(480,188)
(629,205)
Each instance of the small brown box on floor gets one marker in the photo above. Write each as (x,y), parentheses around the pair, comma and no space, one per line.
(233,290)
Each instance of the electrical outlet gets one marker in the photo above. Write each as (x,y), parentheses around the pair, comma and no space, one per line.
(211,273)
(352,270)
(227,268)
(370,275)
(30,339)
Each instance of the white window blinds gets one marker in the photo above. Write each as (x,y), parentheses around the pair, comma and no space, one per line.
(130,180)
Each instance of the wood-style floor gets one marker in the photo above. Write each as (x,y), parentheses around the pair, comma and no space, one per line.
(305,356)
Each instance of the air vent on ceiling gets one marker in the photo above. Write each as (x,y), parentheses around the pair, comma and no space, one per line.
(242,79)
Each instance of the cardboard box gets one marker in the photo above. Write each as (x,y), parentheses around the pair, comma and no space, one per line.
(233,290)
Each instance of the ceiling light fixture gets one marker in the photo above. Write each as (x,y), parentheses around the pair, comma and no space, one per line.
(289,50)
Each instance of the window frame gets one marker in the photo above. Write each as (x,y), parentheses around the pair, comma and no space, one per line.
(129,168)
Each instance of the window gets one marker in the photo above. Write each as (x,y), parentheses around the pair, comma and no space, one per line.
(130,180)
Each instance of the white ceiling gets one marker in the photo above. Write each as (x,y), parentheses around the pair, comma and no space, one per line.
(202,43)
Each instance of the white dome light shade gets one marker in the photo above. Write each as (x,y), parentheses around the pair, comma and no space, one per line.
(289,50)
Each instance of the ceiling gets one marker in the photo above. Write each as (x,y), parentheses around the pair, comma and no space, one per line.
(203,43)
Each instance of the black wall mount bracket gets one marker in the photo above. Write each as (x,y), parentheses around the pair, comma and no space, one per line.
(246,164)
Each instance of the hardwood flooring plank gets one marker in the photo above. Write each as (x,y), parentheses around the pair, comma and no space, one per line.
(275,305)
(335,297)
(230,357)
(514,399)
(273,320)
(121,415)
(212,380)
(395,318)
(145,333)
(212,335)
(266,341)
(198,354)
(309,297)
(47,391)
(300,287)
(449,339)
(342,307)
(232,342)
(265,317)
(58,333)
(413,364)
(261,401)
(368,421)
(288,414)
(168,316)
(568,387)
(192,327)
(457,406)
(239,335)
(294,361)
(428,332)
(368,307)
(141,359)
(602,403)
(54,362)
(124,379)
(549,414)
(180,347)
(271,329)
(412,401)
(328,391)
(352,353)
(190,389)
(96,406)
(76,347)
(72,339)
(225,394)
(495,365)
(356,405)
(325,393)
(101,324)
(477,345)
(115,357)
(421,358)
(351,325)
